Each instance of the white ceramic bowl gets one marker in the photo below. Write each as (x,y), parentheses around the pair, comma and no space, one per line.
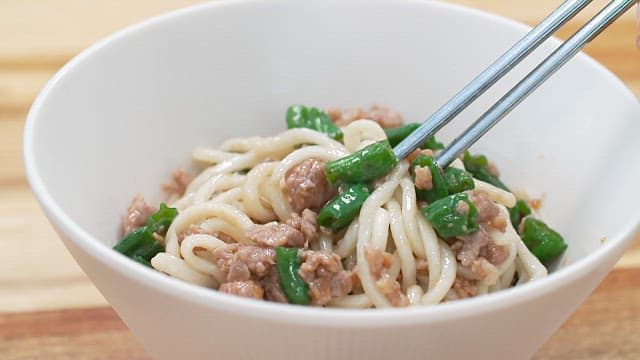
(119,117)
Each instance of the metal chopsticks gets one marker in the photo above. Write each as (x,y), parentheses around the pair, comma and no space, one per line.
(503,65)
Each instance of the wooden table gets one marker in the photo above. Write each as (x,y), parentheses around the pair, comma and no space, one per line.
(49,309)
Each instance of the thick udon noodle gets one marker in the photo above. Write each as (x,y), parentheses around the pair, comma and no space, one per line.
(223,200)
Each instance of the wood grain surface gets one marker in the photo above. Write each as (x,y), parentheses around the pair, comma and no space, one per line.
(593,332)
(43,291)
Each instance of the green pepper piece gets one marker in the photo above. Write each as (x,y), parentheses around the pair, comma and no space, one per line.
(458,180)
(518,212)
(478,166)
(397,134)
(141,260)
(447,219)
(439,184)
(139,242)
(300,116)
(288,265)
(160,220)
(432,143)
(341,210)
(545,243)
(364,165)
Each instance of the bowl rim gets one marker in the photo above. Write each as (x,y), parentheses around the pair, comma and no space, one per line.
(287,313)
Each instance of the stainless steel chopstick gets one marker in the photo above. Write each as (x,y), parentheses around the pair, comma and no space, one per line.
(491,75)
(536,77)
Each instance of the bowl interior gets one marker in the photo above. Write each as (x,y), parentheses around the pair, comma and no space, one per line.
(123,115)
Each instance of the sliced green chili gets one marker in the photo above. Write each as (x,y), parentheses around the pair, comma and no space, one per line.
(300,116)
(450,218)
(545,243)
(160,220)
(478,166)
(458,180)
(288,265)
(518,212)
(432,143)
(141,260)
(141,243)
(397,134)
(364,165)
(341,210)
(439,184)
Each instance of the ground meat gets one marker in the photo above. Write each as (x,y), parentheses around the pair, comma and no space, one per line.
(277,234)
(307,187)
(238,271)
(322,271)
(412,156)
(495,254)
(243,262)
(484,270)
(342,283)
(418,152)
(224,237)
(455,244)
(391,289)
(271,285)
(193,229)
(488,211)
(249,289)
(471,245)
(357,284)
(386,117)
(378,260)
(422,264)
(137,215)
(499,223)
(465,288)
(423,179)
(178,184)
(306,224)
(462,207)
(478,245)
(223,257)
(493,169)
(535,203)
(259,260)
